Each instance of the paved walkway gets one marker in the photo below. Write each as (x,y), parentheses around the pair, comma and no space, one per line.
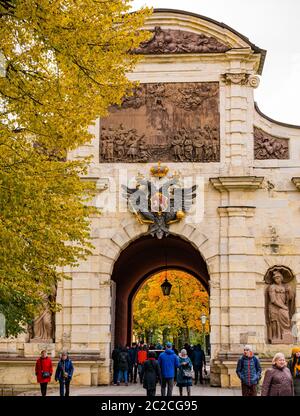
(136,390)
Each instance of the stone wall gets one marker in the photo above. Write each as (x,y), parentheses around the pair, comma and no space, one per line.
(247,203)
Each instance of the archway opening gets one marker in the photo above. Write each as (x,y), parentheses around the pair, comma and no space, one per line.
(181,317)
(142,259)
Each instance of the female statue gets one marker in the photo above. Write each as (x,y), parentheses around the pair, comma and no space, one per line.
(280,305)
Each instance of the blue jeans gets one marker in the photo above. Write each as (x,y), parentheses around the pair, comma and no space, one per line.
(123,373)
(64,385)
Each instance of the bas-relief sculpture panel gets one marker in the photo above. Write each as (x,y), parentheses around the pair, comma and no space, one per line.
(170,122)
(170,41)
(267,146)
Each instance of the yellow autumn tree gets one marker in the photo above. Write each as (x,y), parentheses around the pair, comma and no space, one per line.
(63,63)
(179,313)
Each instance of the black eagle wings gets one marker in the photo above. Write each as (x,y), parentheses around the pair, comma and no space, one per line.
(159,205)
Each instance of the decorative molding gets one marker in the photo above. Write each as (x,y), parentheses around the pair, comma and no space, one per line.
(236,211)
(296,182)
(232,183)
(240,79)
(170,41)
(237,79)
(267,146)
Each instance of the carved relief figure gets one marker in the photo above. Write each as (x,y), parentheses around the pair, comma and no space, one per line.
(280,307)
(174,122)
(166,41)
(267,146)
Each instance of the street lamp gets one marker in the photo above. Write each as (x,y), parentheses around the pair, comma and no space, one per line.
(166,287)
(203,318)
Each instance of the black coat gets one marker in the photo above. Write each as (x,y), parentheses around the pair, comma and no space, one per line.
(151,374)
(115,358)
(123,361)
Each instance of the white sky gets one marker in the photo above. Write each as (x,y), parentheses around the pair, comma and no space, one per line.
(273,25)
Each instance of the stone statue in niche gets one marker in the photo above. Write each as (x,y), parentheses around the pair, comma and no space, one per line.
(280,305)
(43,327)
(267,146)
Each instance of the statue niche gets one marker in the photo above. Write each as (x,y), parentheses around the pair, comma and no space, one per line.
(280,304)
(43,326)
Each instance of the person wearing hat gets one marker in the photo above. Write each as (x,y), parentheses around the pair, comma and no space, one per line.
(168,362)
(184,374)
(249,372)
(294,367)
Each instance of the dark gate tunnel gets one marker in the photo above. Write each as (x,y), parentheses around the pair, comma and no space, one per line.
(141,259)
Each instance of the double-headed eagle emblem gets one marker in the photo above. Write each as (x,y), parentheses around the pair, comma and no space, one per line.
(159,202)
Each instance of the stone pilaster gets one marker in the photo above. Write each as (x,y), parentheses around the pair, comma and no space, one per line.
(236,90)
(237,252)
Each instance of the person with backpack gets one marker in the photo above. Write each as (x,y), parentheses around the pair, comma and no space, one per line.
(123,366)
(151,374)
(43,371)
(168,362)
(141,358)
(249,372)
(64,373)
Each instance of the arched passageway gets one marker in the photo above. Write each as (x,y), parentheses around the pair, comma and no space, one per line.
(141,259)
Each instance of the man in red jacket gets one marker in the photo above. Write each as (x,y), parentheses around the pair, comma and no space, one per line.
(43,371)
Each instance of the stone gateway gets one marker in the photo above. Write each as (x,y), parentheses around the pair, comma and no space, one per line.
(194,112)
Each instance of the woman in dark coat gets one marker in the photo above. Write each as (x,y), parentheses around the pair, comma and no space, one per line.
(151,374)
(185,364)
(294,367)
(278,380)
(64,373)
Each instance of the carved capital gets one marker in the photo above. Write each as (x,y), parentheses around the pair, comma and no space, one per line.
(240,79)
(237,79)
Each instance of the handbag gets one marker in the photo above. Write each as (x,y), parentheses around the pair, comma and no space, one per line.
(188,373)
(45,374)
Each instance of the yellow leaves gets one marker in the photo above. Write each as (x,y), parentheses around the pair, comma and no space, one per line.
(182,309)
(66,62)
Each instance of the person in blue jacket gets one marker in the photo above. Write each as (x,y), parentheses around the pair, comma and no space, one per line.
(249,372)
(64,374)
(169,362)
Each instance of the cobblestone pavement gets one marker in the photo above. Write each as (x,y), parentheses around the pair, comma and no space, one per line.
(136,390)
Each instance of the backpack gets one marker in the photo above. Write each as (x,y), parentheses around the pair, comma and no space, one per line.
(123,358)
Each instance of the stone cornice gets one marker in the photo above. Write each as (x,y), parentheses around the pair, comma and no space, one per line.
(237,211)
(232,183)
(296,182)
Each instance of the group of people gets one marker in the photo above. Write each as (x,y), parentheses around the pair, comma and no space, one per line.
(155,366)
(283,379)
(63,374)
